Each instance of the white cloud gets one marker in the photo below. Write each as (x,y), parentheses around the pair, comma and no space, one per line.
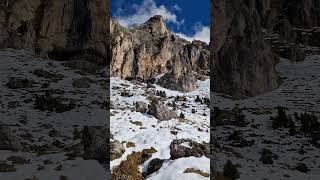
(177,8)
(149,8)
(202,34)
(143,12)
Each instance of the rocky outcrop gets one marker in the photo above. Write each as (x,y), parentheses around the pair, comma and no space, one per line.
(180,148)
(244,64)
(141,107)
(76,29)
(295,22)
(8,140)
(161,111)
(180,78)
(299,13)
(154,166)
(150,50)
(284,48)
(16,83)
(116,149)
(95,140)
(243,30)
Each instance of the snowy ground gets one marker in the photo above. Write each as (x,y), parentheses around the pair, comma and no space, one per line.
(299,92)
(157,134)
(44,128)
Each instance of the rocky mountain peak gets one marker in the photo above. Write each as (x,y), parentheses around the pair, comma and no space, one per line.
(150,50)
(155,25)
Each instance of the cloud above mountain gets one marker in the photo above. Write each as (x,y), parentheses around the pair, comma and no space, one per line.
(140,13)
(143,12)
(202,34)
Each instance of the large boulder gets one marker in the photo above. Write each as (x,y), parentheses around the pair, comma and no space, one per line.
(18,83)
(116,149)
(293,53)
(154,166)
(8,140)
(160,111)
(141,107)
(95,140)
(180,148)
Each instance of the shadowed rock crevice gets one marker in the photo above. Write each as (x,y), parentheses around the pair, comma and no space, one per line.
(80,30)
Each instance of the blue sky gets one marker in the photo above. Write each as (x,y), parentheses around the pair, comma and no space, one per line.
(189,19)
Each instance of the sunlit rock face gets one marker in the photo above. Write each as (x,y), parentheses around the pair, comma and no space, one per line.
(244,64)
(56,28)
(150,50)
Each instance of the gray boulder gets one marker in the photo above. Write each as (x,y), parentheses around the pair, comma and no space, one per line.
(95,140)
(180,148)
(116,149)
(18,83)
(160,111)
(154,166)
(141,107)
(8,141)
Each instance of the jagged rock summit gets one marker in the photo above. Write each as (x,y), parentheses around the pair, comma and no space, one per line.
(155,25)
(150,50)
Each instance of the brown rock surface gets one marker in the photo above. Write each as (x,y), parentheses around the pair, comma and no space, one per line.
(57,28)
(299,13)
(244,63)
(294,22)
(150,50)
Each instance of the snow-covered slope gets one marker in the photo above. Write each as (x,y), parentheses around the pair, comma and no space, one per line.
(150,132)
(47,137)
(299,92)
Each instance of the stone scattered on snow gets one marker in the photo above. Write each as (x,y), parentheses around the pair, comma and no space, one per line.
(160,111)
(18,83)
(180,148)
(8,140)
(116,149)
(141,107)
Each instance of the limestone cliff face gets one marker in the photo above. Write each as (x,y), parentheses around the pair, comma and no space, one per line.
(150,50)
(60,29)
(299,13)
(244,64)
(292,26)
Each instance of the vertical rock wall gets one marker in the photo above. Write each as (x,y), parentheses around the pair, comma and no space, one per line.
(61,29)
(244,63)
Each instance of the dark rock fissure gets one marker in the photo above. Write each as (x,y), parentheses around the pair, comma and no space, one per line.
(37,24)
(80,30)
